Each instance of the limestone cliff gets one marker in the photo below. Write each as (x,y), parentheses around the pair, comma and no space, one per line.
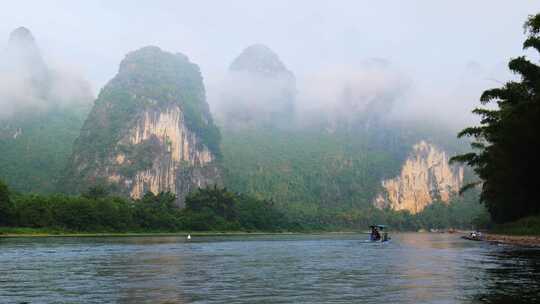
(425,176)
(150,130)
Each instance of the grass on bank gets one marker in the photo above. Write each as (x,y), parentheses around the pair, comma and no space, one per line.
(526,226)
(48,232)
(28,231)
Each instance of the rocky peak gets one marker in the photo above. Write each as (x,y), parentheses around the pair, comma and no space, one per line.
(259,59)
(150,129)
(258,91)
(151,59)
(21,37)
(23,64)
(23,51)
(425,177)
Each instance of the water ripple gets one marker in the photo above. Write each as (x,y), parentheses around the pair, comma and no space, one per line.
(414,268)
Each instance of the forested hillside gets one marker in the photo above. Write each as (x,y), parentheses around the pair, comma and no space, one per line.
(316,168)
(36,146)
(325,162)
(42,111)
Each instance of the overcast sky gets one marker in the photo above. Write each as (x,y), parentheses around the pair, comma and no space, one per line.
(431,41)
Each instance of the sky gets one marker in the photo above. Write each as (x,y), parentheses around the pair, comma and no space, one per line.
(447,50)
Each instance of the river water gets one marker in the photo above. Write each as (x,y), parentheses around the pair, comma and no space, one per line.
(341,268)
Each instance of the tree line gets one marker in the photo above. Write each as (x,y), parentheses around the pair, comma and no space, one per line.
(506,146)
(210,209)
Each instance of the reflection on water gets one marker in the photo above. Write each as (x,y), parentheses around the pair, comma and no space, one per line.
(413,268)
(511,275)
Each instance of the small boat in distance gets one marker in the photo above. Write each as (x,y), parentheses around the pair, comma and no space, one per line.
(474,236)
(378,234)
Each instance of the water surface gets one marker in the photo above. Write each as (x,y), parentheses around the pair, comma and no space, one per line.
(413,268)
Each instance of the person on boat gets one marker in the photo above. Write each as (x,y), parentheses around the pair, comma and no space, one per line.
(375,234)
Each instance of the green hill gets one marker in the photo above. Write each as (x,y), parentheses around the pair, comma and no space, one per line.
(42,113)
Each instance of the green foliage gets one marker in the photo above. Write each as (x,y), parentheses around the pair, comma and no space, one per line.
(327,181)
(95,211)
(139,157)
(106,121)
(96,192)
(507,141)
(35,159)
(462,212)
(219,201)
(305,168)
(525,226)
(316,169)
(5,203)
(218,209)
(157,212)
(72,213)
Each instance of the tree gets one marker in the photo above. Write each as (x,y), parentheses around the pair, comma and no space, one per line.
(96,192)
(218,200)
(5,204)
(157,212)
(506,144)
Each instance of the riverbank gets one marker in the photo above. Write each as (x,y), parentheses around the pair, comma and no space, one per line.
(516,240)
(523,232)
(11,232)
(505,239)
(525,226)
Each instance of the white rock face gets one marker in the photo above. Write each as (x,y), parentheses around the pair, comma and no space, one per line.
(177,149)
(168,126)
(182,151)
(425,176)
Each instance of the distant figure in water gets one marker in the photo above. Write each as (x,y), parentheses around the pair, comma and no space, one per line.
(375,235)
(188,237)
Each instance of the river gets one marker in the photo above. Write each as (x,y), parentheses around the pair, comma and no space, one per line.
(329,268)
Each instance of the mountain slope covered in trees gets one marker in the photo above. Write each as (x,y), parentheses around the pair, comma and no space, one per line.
(333,160)
(42,112)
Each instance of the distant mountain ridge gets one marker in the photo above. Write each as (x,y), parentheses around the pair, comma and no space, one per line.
(259,59)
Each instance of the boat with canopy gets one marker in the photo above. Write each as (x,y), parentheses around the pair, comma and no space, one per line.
(378,233)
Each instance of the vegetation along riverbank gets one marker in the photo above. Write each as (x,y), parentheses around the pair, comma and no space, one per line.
(210,209)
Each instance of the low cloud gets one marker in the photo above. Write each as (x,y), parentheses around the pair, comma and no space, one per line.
(244,98)
(28,84)
(345,94)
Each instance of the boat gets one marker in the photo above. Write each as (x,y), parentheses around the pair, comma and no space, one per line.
(378,234)
(474,236)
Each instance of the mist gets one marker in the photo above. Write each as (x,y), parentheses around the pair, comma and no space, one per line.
(428,65)
(29,84)
(345,94)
